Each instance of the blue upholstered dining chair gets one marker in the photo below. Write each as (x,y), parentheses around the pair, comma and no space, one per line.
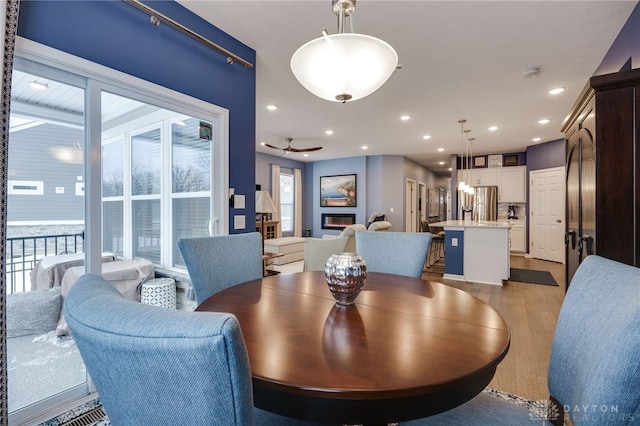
(594,370)
(318,250)
(154,366)
(401,253)
(215,263)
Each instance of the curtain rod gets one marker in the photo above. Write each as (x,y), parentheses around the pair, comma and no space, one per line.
(157,17)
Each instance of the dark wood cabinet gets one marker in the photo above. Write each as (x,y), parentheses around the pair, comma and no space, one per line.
(602,161)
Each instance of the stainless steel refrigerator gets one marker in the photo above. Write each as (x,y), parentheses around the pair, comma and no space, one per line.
(481,206)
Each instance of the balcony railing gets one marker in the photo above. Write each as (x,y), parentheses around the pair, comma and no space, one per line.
(24,252)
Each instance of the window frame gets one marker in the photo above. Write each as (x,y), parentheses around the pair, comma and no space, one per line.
(94,79)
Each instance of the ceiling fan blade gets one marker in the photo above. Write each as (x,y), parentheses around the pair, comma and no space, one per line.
(316,148)
(274,147)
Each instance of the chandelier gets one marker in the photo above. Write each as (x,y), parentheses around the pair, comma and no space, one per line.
(345,66)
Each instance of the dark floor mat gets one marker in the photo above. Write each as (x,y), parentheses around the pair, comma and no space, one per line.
(532,276)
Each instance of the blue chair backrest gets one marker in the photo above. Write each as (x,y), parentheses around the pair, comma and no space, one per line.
(594,369)
(215,263)
(154,366)
(401,253)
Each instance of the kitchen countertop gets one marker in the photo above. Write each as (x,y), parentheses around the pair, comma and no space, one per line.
(451,224)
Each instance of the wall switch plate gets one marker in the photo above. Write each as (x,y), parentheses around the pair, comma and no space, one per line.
(238,201)
(239,222)
(454,242)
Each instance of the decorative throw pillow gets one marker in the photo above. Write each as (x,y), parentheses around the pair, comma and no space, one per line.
(33,312)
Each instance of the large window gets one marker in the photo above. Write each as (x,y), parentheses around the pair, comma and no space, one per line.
(286,203)
(157,170)
(191,181)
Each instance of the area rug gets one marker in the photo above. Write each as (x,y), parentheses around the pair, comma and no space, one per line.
(532,276)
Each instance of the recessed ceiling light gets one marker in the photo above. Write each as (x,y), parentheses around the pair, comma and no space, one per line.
(272,107)
(305,155)
(440,149)
(543,121)
(449,169)
(364,147)
(556,91)
(263,143)
(493,128)
(441,163)
(405,117)
(536,139)
(37,85)
(426,137)
(329,132)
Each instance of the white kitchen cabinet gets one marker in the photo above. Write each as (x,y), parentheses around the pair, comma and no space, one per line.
(512,185)
(479,177)
(517,238)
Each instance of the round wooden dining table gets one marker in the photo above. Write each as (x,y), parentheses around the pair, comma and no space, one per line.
(406,349)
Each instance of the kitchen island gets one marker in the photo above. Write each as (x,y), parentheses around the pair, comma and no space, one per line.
(476,251)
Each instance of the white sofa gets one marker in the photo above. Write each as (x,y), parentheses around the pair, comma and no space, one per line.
(350,233)
(292,249)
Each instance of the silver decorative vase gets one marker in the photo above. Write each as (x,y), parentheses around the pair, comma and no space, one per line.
(346,274)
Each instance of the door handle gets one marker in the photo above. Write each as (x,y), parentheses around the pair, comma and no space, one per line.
(559,220)
(570,234)
(588,239)
(580,249)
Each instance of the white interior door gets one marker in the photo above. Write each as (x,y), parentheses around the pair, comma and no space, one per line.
(546,224)
(410,206)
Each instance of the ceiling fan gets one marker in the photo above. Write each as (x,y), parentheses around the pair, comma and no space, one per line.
(289,148)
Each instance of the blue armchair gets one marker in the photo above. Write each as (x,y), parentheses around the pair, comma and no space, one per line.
(401,253)
(215,263)
(154,366)
(594,370)
(318,250)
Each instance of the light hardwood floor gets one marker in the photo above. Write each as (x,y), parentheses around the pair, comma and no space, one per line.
(531,311)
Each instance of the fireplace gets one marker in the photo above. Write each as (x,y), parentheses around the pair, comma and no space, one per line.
(337,221)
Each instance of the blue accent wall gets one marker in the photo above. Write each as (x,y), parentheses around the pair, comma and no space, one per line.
(117,35)
(545,155)
(454,255)
(343,166)
(263,169)
(624,53)
(263,178)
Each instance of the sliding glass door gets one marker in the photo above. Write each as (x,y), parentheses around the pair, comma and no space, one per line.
(45,229)
(159,160)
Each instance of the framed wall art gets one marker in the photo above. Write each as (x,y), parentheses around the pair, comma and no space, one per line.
(495,160)
(338,191)
(510,160)
(480,161)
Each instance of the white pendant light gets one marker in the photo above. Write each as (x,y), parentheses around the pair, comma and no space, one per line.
(462,186)
(345,66)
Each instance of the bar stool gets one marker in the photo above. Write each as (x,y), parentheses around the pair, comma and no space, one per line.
(437,244)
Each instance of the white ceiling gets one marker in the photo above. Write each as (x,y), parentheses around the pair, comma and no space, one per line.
(460,59)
